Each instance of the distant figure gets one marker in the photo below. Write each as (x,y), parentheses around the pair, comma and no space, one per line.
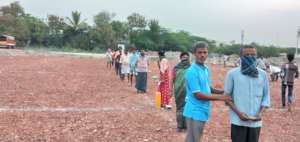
(289,71)
(225,59)
(165,83)
(261,64)
(179,89)
(113,55)
(124,66)
(109,58)
(248,86)
(274,72)
(237,62)
(142,67)
(133,57)
(117,58)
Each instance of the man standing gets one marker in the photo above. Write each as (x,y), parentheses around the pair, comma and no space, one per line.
(142,66)
(248,87)
(179,89)
(198,94)
(109,60)
(117,58)
(133,57)
(125,65)
(289,71)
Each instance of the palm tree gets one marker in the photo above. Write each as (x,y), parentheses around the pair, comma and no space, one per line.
(75,21)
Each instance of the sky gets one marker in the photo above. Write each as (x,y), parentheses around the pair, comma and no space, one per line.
(269,22)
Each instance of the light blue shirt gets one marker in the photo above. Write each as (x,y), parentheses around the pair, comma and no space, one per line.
(132,59)
(197,79)
(248,94)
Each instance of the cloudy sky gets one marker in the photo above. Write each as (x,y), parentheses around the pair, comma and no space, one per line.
(264,21)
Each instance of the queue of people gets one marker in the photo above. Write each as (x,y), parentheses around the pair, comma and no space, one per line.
(246,89)
(131,65)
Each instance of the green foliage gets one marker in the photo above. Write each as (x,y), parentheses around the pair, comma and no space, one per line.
(262,51)
(74,33)
(136,22)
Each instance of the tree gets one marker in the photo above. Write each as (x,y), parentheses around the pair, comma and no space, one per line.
(12,22)
(38,30)
(136,22)
(14,9)
(75,22)
(136,25)
(103,18)
(104,29)
(76,30)
(154,30)
(57,26)
(120,30)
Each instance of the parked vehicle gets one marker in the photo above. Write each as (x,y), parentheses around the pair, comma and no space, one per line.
(7,41)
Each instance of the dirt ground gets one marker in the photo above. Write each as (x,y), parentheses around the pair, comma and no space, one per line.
(77,99)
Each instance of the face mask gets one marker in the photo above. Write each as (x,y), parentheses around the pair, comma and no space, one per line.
(248,66)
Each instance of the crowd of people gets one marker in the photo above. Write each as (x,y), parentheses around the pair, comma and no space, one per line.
(246,88)
(131,64)
(134,65)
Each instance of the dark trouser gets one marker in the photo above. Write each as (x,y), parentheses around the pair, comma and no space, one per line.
(181,124)
(290,94)
(274,76)
(180,102)
(117,68)
(194,130)
(141,81)
(244,134)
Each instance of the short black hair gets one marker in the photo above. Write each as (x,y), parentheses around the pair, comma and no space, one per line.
(184,53)
(161,53)
(199,44)
(290,56)
(246,47)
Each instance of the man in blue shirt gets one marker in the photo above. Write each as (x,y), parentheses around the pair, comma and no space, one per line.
(133,57)
(198,94)
(249,88)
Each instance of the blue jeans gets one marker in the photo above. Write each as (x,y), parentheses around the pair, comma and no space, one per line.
(290,93)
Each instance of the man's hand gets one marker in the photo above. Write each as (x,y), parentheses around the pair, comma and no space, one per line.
(225,98)
(256,118)
(216,91)
(243,116)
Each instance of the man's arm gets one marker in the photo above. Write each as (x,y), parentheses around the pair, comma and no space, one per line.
(266,98)
(242,116)
(201,96)
(261,111)
(297,72)
(216,91)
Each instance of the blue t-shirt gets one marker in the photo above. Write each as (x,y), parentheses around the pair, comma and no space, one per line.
(133,59)
(197,79)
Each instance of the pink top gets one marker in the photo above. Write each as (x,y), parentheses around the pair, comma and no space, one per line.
(142,64)
(164,65)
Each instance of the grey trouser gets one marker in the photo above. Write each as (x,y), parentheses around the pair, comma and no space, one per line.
(194,130)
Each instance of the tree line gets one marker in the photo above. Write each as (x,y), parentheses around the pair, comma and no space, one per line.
(106,32)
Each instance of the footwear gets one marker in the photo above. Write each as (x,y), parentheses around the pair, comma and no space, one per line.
(289,108)
(168,106)
(179,130)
